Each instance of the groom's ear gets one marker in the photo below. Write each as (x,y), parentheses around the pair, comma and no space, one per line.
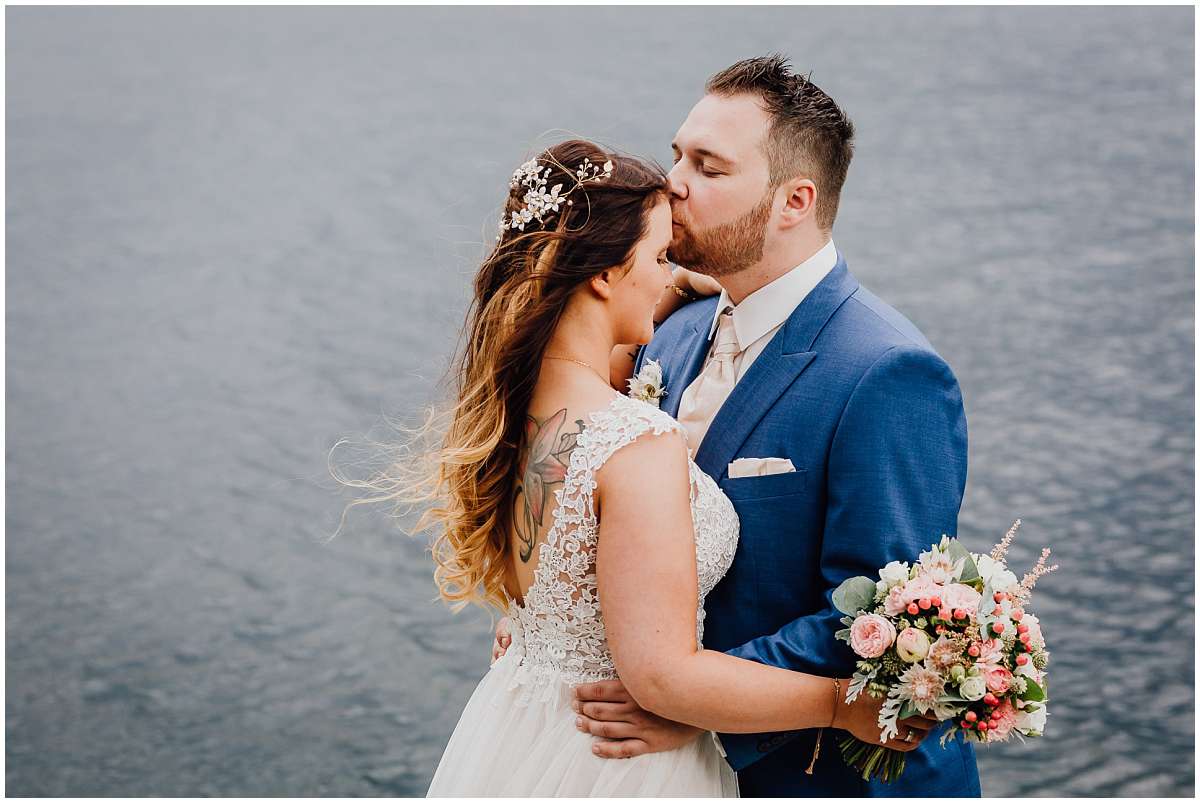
(800,203)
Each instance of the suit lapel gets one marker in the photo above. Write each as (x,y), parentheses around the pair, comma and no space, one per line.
(777,367)
(685,367)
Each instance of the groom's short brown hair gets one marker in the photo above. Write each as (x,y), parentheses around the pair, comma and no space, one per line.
(809,134)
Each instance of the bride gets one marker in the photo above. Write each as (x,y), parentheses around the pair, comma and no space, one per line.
(578,512)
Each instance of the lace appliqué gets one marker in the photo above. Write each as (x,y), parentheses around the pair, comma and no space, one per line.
(558,635)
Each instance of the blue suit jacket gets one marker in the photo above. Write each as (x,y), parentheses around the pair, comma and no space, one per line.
(872,418)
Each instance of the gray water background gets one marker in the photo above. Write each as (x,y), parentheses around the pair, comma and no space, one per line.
(236,235)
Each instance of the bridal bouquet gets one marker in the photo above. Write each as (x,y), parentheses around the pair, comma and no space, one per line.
(949,638)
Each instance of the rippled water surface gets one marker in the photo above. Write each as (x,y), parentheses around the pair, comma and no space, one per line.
(235,235)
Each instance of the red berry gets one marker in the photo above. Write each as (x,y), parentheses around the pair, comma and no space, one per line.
(999,596)
(1022,628)
(982,725)
(971,716)
(937,601)
(966,724)
(924,603)
(1022,660)
(1017,614)
(959,613)
(990,699)
(998,627)
(995,715)
(973,651)
(997,611)
(913,609)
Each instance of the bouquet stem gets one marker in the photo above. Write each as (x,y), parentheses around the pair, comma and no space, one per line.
(872,760)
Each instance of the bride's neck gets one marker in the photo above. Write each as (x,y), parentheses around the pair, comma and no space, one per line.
(583,335)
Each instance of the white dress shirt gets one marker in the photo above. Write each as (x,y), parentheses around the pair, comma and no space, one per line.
(759,316)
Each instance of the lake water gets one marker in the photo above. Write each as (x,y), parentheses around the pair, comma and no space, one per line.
(236,235)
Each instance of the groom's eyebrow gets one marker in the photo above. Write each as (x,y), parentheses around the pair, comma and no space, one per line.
(705,152)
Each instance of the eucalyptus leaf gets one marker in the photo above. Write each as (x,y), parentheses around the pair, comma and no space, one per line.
(959,552)
(854,595)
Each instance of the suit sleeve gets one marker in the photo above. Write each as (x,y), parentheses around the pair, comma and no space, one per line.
(897,469)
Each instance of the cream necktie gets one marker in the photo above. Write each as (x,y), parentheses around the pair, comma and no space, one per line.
(703,398)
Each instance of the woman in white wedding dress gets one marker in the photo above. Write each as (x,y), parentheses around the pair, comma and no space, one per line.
(578,510)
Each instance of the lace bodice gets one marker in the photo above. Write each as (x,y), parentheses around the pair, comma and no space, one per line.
(559,633)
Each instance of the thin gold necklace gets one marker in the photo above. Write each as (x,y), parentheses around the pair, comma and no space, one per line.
(578,362)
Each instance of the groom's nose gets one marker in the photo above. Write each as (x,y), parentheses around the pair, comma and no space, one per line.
(674,185)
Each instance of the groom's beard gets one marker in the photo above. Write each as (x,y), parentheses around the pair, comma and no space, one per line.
(724,249)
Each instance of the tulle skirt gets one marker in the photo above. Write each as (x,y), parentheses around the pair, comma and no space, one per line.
(517,738)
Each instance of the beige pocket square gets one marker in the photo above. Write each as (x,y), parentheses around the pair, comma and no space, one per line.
(759,466)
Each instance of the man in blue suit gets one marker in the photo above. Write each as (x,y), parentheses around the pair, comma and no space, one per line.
(826,417)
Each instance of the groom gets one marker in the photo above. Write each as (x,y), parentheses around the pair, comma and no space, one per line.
(826,417)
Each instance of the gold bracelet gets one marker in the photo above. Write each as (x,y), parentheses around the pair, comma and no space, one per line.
(679,291)
(837,698)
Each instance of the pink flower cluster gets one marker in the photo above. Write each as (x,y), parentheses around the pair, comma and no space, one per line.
(948,637)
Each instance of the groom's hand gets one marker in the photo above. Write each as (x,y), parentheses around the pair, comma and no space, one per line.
(606,710)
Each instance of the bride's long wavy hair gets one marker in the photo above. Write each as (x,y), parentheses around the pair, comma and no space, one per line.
(461,465)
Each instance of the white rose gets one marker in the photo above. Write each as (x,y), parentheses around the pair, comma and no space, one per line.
(973,688)
(894,574)
(1032,722)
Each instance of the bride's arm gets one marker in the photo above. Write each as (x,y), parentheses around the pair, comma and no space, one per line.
(646,576)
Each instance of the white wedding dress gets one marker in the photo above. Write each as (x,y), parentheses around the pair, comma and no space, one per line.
(517,734)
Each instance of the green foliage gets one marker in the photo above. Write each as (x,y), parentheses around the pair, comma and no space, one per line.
(958,552)
(854,595)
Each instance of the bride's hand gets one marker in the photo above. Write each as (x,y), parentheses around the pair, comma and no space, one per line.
(696,283)
(606,710)
(861,718)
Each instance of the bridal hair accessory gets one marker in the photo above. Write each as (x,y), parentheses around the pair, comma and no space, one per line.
(540,204)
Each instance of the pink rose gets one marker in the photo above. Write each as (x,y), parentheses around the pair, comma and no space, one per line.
(895,603)
(921,587)
(991,652)
(912,645)
(871,635)
(957,595)
(997,678)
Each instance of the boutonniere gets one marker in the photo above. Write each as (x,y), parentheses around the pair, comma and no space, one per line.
(648,384)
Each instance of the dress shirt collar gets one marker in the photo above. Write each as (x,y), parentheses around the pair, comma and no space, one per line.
(770,305)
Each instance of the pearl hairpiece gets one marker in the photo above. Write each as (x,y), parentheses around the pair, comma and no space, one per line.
(538,202)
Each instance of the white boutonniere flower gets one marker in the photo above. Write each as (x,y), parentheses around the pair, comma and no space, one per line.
(648,384)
